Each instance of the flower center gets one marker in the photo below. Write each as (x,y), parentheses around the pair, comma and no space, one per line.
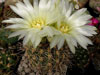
(64,28)
(38,23)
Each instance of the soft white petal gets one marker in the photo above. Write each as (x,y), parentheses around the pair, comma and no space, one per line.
(73,41)
(17,33)
(15,20)
(87,40)
(78,23)
(67,5)
(84,17)
(84,32)
(28,8)
(71,46)
(21,36)
(20,5)
(42,4)
(35,3)
(89,29)
(81,41)
(16,26)
(47,31)
(77,14)
(27,37)
(27,3)
(64,6)
(54,41)
(33,38)
(48,6)
(61,42)
(37,41)
(68,13)
(50,32)
(7,21)
(16,10)
(21,12)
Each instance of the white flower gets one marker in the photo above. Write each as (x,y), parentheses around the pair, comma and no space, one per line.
(73,28)
(35,22)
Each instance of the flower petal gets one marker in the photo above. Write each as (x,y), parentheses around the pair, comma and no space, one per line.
(37,41)
(17,33)
(78,13)
(54,41)
(16,26)
(61,42)
(71,46)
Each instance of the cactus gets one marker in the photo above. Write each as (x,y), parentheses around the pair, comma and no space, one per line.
(7,60)
(94,51)
(41,57)
(81,58)
(45,61)
(95,4)
(96,60)
(4,40)
(8,53)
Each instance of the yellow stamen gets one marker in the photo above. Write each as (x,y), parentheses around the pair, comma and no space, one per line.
(38,23)
(64,28)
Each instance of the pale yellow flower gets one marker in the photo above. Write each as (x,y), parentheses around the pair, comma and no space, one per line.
(73,27)
(35,22)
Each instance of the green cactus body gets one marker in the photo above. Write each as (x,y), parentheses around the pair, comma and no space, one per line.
(47,60)
(81,58)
